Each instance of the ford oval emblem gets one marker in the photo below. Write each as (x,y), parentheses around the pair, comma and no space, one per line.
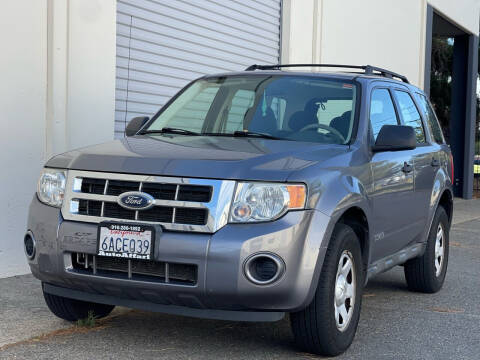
(135,200)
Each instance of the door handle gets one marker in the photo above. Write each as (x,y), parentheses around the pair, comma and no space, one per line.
(435,162)
(407,168)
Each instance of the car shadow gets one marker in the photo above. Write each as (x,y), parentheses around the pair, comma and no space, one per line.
(201,338)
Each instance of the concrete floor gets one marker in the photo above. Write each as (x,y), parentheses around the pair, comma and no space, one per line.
(395,323)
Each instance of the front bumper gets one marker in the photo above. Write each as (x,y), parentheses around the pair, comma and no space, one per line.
(298,238)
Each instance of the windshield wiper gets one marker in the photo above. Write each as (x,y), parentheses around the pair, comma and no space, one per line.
(170,130)
(246,133)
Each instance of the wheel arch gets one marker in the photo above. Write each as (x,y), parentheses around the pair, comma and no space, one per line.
(356,218)
(446,201)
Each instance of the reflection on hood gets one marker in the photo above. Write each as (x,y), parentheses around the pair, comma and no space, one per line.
(199,156)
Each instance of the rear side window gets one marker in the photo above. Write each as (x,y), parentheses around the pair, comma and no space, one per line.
(409,114)
(432,120)
(382,111)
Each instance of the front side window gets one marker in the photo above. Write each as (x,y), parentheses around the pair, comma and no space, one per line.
(432,120)
(290,107)
(409,114)
(382,111)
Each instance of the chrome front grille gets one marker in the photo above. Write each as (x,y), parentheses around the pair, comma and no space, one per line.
(195,193)
(182,204)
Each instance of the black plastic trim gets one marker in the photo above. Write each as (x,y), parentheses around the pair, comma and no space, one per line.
(255,316)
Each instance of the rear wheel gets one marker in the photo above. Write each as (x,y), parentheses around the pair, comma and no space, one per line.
(73,310)
(328,325)
(427,272)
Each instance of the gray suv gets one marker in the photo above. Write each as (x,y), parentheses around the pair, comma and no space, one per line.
(250,195)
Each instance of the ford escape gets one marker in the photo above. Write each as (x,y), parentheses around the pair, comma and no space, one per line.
(250,195)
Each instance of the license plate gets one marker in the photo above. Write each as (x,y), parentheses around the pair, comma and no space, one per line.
(125,240)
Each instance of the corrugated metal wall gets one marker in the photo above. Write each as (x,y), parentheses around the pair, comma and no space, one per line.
(164,44)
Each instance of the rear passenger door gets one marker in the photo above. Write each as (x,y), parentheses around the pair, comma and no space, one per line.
(392,193)
(425,158)
(436,140)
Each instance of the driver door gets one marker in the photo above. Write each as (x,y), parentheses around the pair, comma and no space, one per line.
(392,192)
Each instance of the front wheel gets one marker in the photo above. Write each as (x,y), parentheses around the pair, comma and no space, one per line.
(328,325)
(73,310)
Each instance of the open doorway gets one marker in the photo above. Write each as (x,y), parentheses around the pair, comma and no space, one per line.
(476,159)
(451,74)
(441,80)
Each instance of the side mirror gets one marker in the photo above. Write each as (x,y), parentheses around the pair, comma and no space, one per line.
(395,138)
(135,125)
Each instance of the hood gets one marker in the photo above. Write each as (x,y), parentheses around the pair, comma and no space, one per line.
(236,158)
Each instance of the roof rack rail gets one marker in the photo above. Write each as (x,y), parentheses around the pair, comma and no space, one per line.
(368,69)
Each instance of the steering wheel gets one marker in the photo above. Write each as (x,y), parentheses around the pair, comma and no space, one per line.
(324,127)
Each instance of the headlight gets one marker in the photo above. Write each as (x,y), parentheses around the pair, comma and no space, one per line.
(254,202)
(51,187)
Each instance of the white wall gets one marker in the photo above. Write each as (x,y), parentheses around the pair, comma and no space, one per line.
(91,72)
(57,93)
(299,20)
(465,13)
(384,33)
(81,73)
(23,29)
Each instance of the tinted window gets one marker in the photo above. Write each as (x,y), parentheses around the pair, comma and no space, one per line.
(241,102)
(410,115)
(287,107)
(279,105)
(331,109)
(432,120)
(194,109)
(382,111)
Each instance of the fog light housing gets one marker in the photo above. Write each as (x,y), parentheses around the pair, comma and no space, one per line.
(29,245)
(264,268)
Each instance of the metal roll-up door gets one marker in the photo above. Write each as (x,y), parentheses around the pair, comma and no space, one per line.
(164,44)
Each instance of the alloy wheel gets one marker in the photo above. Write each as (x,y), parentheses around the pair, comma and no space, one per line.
(439,250)
(345,284)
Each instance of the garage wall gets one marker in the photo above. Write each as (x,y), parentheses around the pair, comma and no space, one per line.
(162,45)
(382,38)
(385,33)
(81,73)
(464,13)
(22,122)
(300,24)
(57,93)
(90,72)
(357,33)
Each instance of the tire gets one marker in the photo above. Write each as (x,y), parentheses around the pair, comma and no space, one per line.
(315,328)
(423,273)
(73,310)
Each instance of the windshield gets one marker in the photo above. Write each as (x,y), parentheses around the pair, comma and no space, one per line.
(282,107)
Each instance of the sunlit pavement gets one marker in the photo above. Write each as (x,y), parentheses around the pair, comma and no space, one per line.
(395,323)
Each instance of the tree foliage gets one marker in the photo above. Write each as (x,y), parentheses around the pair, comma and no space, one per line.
(441,80)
